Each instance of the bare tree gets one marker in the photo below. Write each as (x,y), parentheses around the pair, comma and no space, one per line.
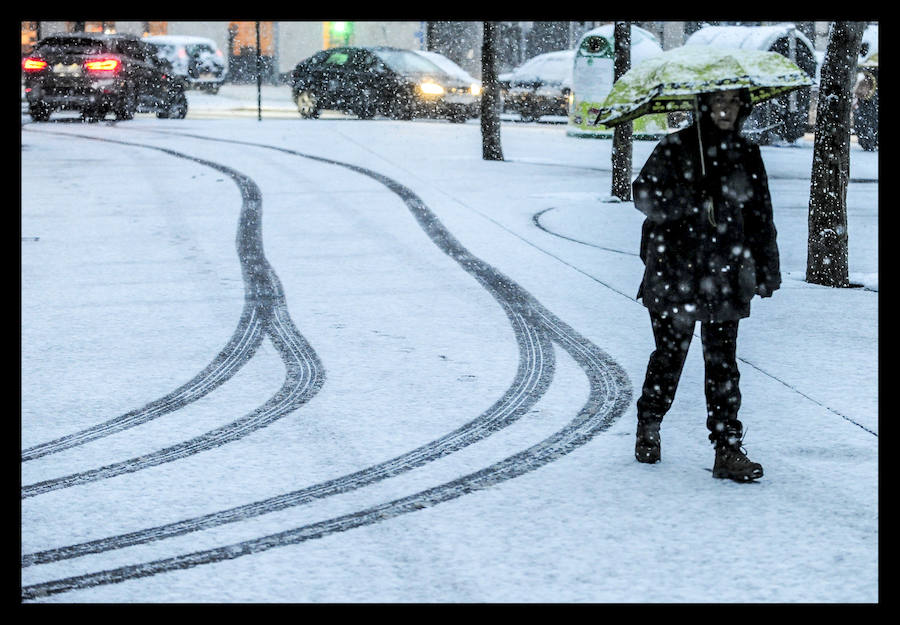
(826,261)
(491,149)
(622,133)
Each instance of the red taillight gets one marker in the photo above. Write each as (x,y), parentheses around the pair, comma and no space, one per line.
(103,66)
(32,64)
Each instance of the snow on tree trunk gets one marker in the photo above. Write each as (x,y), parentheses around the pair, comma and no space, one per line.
(622,133)
(826,261)
(490,96)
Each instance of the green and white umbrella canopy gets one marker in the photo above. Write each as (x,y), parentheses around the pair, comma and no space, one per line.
(670,81)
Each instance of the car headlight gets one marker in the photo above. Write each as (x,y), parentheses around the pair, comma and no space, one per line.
(475,89)
(431,88)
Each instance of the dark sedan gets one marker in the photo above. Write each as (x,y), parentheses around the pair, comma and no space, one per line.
(380,81)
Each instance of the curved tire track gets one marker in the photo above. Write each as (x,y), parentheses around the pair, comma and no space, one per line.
(265,313)
(243,344)
(610,393)
(536,220)
(535,371)
(608,399)
(262,285)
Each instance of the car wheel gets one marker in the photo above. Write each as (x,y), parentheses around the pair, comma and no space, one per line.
(365,111)
(92,114)
(126,106)
(177,108)
(39,112)
(401,108)
(457,116)
(307,104)
(365,107)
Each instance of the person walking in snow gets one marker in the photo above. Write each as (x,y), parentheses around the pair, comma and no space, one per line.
(708,245)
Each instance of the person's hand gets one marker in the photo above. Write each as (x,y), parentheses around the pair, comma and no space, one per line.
(763,291)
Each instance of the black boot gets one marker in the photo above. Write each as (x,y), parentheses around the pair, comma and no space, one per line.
(647,442)
(732,461)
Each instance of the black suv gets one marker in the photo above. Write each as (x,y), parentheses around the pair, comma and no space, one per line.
(100,74)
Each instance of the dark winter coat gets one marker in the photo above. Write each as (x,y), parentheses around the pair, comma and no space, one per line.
(708,243)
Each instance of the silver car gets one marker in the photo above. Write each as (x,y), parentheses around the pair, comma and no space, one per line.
(197,59)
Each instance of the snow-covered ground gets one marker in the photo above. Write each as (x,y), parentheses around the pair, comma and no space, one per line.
(382,482)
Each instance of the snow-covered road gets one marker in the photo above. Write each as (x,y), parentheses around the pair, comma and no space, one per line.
(418,386)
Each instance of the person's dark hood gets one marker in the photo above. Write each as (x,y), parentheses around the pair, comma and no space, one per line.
(712,138)
(709,129)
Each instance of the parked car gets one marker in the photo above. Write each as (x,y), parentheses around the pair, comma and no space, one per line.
(198,59)
(540,86)
(99,74)
(369,81)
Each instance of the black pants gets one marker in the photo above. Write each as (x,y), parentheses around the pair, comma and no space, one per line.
(723,396)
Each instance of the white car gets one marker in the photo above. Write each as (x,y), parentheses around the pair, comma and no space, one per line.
(540,86)
(198,59)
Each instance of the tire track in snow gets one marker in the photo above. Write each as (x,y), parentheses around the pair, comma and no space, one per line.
(243,344)
(536,366)
(610,393)
(609,397)
(265,313)
(536,220)
(535,373)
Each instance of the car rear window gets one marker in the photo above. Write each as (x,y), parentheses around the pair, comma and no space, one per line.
(72,45)
(199,48)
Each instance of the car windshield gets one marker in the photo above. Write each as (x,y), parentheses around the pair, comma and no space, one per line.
(72,45)
(407,62)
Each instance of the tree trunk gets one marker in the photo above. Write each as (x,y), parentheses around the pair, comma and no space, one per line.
(490,96)
(826,261)
(622,133)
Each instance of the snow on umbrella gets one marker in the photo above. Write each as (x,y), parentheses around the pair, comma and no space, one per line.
(670,81)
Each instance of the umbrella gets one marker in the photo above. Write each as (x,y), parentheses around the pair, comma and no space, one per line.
(670,81)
